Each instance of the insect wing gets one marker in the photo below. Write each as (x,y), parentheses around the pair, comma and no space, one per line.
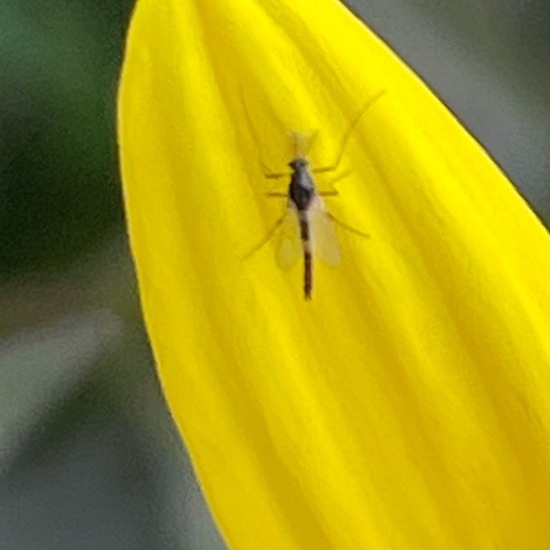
(288,248)
(323,233)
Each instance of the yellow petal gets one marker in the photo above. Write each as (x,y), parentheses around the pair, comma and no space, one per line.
(407,405)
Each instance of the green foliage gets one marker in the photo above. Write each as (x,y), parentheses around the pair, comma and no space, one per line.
(59,188)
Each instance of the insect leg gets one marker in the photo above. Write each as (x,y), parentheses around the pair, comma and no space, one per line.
(346,226)
(267,238)
(333,192)
(274,175)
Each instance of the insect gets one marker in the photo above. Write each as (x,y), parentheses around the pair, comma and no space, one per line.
(307,227)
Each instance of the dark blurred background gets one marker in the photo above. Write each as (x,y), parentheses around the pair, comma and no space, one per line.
(89,458)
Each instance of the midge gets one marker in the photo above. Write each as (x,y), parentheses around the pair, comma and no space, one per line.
(307,227)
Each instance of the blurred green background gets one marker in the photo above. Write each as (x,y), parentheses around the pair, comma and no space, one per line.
(89,458)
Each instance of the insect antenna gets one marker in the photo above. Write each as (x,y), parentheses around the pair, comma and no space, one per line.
(353,124)
(250,123)
(302,141)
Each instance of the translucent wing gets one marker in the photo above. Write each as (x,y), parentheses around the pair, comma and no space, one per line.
(288,246)
(323,234)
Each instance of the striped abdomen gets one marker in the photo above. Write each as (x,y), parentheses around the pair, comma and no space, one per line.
(305,236)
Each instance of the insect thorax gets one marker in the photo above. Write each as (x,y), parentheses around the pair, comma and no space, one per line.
(302,187)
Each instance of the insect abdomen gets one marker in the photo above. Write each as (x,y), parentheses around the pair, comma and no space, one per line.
(305,235)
